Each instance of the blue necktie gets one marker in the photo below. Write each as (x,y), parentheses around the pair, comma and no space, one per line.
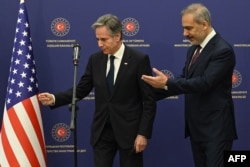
(110,76)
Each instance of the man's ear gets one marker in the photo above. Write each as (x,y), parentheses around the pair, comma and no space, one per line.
(118,37)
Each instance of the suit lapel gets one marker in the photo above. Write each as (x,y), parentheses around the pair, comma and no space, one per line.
(102,65)
(205,52)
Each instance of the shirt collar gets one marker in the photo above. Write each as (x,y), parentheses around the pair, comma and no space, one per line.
(119,52)
(208,38)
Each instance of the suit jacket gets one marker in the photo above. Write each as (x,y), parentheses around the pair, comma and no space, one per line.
(209,108)
(130,109)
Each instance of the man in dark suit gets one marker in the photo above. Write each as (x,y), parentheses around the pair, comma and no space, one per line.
(123,118)
(206,83)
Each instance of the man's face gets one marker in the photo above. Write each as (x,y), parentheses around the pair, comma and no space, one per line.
(107,43)
(194,31)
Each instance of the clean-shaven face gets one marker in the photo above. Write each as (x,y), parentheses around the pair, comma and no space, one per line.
(107,43)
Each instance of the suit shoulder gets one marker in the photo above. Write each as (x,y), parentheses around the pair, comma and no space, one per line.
(220,41)
(134,52)
(97,56)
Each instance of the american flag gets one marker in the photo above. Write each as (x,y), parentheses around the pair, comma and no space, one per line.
(21,137)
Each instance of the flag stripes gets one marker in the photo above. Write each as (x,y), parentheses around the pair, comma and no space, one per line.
(21,136)
(20,130)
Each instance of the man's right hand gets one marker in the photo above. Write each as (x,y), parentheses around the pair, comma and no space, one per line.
(158,81)
(46,99)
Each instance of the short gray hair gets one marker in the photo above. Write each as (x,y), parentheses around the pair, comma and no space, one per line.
(199,11)
(111,22)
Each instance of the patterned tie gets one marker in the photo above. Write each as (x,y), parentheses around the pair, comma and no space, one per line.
(110,76)
(195,56)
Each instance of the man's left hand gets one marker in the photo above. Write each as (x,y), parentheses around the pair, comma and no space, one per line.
(140,143)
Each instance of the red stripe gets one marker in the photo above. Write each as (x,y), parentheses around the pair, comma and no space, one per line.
(23,138)
(9,154)
(35,123)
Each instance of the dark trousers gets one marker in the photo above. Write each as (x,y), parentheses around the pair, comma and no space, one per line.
(106,149)
(210,154)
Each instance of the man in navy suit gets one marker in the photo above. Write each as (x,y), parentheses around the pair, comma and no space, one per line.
(123,119)
(207,84)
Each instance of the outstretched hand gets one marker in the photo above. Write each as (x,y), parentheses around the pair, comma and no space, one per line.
(46,99)
(157,81)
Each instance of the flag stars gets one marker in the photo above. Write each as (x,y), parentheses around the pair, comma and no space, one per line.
(33,70)
(26,65)
(21,11)
(19,90)
(12,81)
(19,52)
(20,84)
(26,25)
(22,42)
(25,33)
(32,79)
(28,56)
(8,101)
(29,89)
(14,71)
(17,61)
(23,75)
(30,47)
(10,91)
(18,94)
(19,20)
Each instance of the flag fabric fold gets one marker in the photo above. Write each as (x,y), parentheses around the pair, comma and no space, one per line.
(21,137)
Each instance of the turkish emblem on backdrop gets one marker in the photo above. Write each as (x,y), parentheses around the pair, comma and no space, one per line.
(168,73)
(60,27)
(60,132)
(236,79)
(130,26)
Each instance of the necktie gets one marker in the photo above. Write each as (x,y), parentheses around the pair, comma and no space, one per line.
(110,76)
(195,56)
